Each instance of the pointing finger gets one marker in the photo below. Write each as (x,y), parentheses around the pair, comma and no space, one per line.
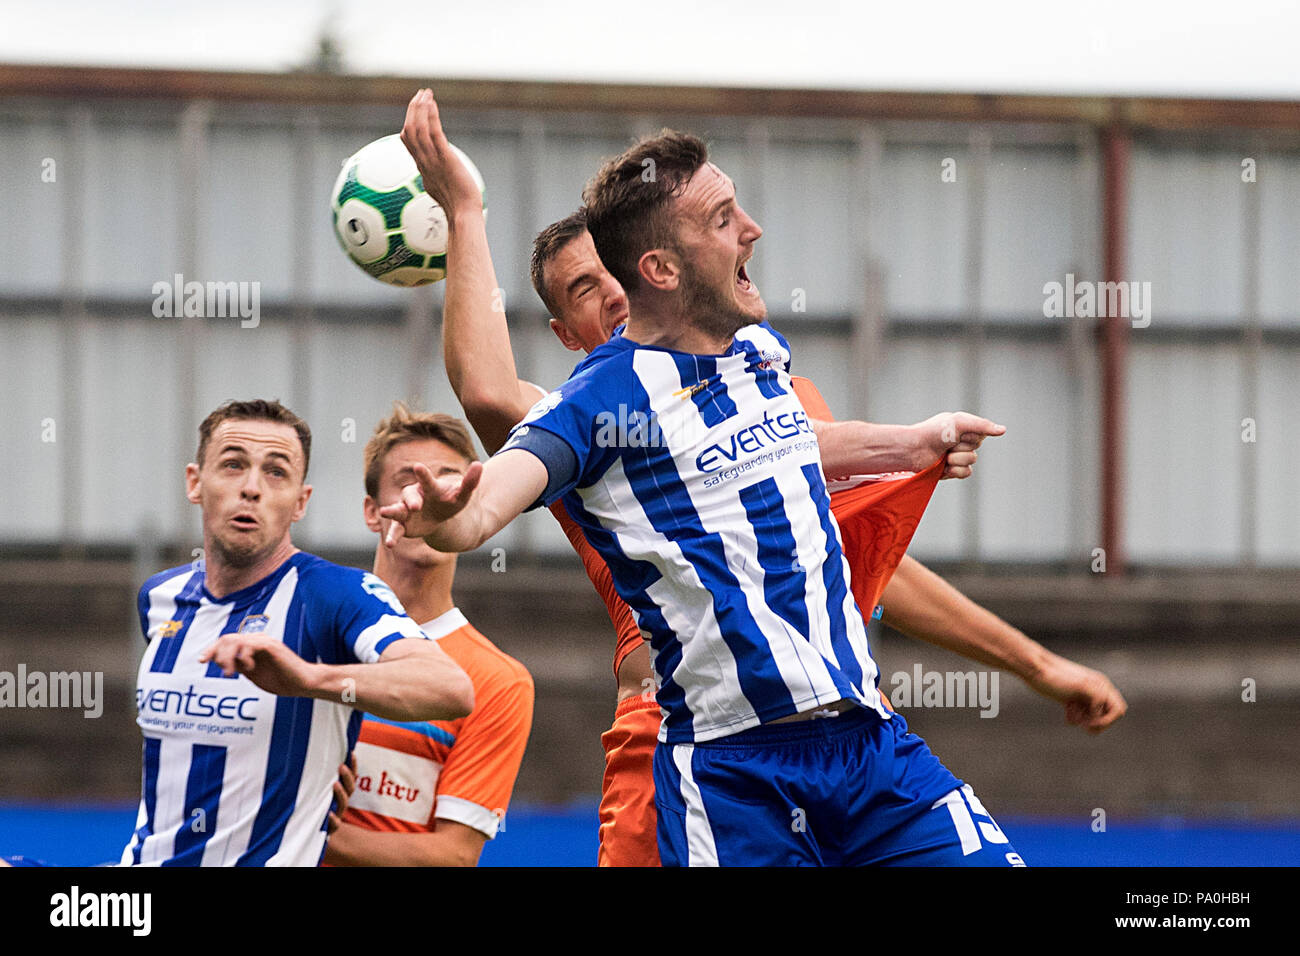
(396,531)
(473,475)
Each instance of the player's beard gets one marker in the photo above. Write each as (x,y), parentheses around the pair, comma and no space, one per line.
(708,309)
(238,555)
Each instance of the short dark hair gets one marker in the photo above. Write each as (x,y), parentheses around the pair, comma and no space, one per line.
(256,410)
(405,425)
(627,200)
(547,246)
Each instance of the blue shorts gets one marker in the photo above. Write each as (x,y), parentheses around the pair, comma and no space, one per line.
(851,790)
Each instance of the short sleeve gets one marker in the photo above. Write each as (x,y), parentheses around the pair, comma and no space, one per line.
(362,613)
(142,609)
(571,413)
(476,782)
(144,598)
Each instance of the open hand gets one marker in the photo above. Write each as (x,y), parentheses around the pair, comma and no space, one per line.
(446,178)
(267,662)
(429,502)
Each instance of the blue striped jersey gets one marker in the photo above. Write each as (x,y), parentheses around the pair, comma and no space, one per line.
(698,480)
(235,775)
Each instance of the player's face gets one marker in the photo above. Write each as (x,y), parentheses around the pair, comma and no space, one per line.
(590,301)
(250,487)
(715,239)
(396,473)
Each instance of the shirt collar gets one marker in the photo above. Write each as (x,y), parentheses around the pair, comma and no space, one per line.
(444,624)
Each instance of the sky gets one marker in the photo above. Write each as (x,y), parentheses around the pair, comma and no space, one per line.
(1192,48)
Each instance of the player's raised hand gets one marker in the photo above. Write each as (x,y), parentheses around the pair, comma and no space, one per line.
(429,502)
(956,436)
(445,177)
(1091,700)
(267,662)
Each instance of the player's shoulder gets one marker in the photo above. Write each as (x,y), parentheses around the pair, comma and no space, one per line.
(162,577)
(324,581)
(315,574)
(470,648)
(600,378)
(604,363)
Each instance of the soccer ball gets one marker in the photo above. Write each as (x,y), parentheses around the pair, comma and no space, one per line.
(387,223)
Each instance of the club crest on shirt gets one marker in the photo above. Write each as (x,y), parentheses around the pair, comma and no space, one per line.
(170,629)
(254,624)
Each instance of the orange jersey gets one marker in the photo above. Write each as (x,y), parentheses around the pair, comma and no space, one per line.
(628,818)
(412,774)
(877,515)
(877,520)
(625,626)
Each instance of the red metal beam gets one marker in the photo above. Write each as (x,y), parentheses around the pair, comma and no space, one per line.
(1166,113)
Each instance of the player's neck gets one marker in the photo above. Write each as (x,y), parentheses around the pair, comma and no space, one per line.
(667,329)
(424,591)
(222,579)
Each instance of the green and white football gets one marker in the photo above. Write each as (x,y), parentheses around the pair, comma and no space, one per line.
(386,222)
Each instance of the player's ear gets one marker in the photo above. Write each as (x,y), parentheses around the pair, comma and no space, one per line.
(192,486)
(661,268)
(370,508)
(565,336)
(301,508)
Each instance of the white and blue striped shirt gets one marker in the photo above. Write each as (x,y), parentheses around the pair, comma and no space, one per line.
(698,479)
(234,775)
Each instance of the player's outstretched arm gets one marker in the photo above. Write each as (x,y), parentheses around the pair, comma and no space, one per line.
(413,679)
(923,605)
(865,448)
(460,512)
(475,335)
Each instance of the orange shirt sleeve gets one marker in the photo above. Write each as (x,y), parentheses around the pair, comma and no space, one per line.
(475,784)
(811,399)
(620,615)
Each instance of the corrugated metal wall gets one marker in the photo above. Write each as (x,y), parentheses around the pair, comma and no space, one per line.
(906,260)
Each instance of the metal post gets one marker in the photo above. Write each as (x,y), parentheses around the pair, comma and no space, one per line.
(302,313)
(973,367)
(423,346)
(75,323)
(193,133)
(1252,351)
(1116,145)
(1079,344)
(867,336)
